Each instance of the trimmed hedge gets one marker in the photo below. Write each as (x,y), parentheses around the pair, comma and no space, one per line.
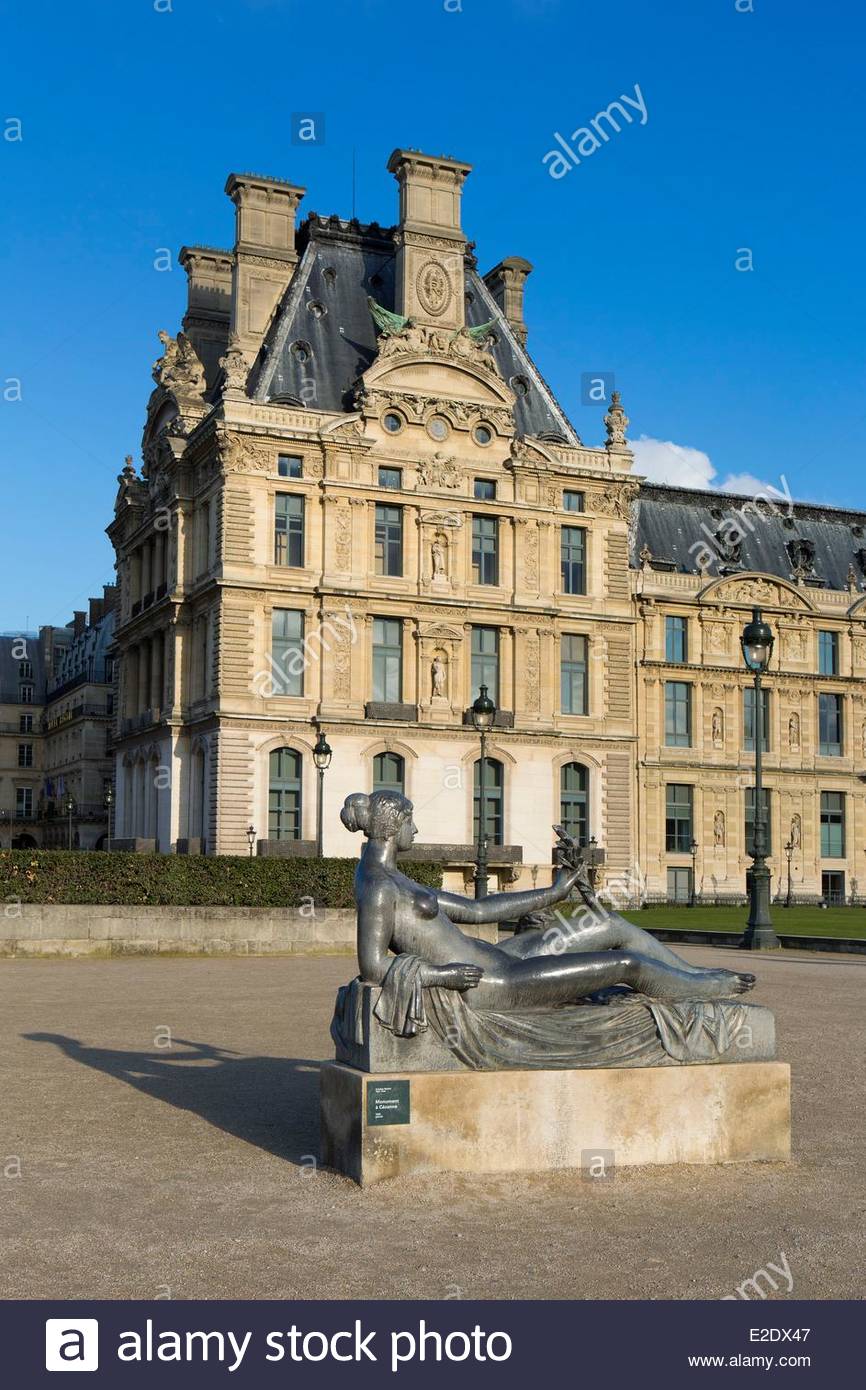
(178,880)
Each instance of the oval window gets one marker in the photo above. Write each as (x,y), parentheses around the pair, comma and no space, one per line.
(392,422)
(437,428)
(481,434)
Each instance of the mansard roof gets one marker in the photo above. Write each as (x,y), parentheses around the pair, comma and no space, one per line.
(323,337)
(672,523)
(10,665)
(86,656)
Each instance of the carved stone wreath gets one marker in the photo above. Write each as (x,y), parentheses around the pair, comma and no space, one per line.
(433,288)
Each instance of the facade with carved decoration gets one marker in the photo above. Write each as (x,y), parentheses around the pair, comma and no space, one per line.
(359,502)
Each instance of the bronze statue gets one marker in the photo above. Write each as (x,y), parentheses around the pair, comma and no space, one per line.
(535,968)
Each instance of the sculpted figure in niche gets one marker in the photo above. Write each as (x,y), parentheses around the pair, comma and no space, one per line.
(422,927)
(718,728)
(439,674)
(719,828)
(437,554)
(794,732)
(863,737)
(795,831)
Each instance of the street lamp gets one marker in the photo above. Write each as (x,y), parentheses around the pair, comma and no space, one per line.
(757,643)
(322,754)
(108,800)
(789,851)
(693,849)
(251,838)
(483,715)
(69,808)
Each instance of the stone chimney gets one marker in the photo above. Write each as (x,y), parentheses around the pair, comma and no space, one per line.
(109,598)
(506,283)
(264,254)
(430,241)
(79,623)
(97,612)
(209,303)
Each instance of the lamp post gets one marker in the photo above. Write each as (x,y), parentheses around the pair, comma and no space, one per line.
(251,838)
(108,801)
(483,715)
(789,851)
(693,850)
(757,643)
(322,754)
(70,807)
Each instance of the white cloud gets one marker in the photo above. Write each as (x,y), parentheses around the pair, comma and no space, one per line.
(662,461)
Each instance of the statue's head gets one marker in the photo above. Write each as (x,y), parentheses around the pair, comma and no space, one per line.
(381,815)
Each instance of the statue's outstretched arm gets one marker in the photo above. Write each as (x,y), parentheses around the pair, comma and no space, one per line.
(503,907)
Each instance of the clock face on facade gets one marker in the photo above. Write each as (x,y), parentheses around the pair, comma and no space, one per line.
(434,289)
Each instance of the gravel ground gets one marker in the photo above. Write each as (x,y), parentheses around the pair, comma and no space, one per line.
(188,1171)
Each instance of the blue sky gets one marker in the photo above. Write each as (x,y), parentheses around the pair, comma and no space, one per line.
(131,116)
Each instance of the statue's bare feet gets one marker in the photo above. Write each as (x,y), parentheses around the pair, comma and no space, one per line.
(721,984)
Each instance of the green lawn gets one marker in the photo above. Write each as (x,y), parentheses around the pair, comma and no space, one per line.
(790,921)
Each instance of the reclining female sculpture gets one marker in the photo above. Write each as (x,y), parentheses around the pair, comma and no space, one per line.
(501,1004)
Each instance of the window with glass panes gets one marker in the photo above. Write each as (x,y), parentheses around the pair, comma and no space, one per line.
(830,725)
(387,660)
(290,466)
(574,801)
(287,651)
(25,755)
(391,477)
(389,773)
(573,559)
(676,639)
(284,795)
(678,714)
(678,818)
(572,501)
(832,825)
(24,802)
(494,780)
(679,885)
(573,674)
(389,540)
(485,661)
(749,719)
(25,723)
(484,490)
(828,653)
(289,530)
(485,548)
(750,819)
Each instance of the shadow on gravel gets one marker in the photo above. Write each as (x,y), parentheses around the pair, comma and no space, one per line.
(272,1102)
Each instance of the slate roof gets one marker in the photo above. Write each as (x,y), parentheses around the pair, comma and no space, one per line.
(323,337)
(671,520)
(9,669)
(85,656)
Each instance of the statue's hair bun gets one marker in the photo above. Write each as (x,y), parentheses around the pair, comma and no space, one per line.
(355,814)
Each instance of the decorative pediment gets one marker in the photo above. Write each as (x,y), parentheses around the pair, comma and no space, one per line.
(438,364)
(756,591)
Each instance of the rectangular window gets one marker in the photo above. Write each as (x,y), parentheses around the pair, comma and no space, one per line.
(389,540)
(676,639)
(833,888)
(573,559)
(288,657)
(830,725)
(25,755)
(485,550)
(391,477)
(828,653)
(387,660)
(485,661)
(749,719)
(679,885)
(678,714)
(289,530)
(25,723)
(290,466)
(750,819)
(572,671)
(25,694)
(832,825)
(678,818)
(484,490)
(24,802)
(572,501)
(25,670)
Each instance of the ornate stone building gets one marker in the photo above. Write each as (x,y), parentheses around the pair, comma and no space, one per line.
(360,500)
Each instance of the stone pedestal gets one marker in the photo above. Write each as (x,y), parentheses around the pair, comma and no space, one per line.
(402,1124)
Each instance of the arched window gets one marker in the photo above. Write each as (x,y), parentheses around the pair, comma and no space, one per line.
(389,773)
(574,801)
(284,795)
(494,800)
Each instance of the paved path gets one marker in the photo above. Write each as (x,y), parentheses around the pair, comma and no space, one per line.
(187,1172)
